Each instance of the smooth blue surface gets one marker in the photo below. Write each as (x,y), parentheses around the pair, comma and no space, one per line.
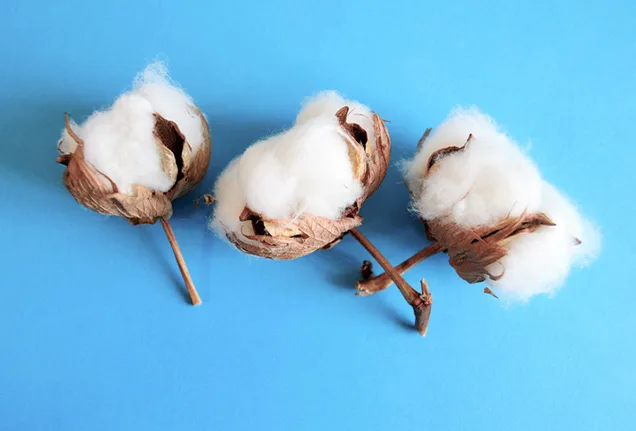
(95,333)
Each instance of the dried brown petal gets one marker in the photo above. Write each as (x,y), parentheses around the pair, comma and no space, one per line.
(356,139)
(378,159)
(487,291)
(442,153)
(195,165)
(423,139)
(281,228)
(144,206)
(170,142)
(85,183)
(208,199)
(471,251)
(313,233)
(333,243)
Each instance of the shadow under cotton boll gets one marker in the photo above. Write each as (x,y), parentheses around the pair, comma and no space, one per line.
(386,212)
(148,240)
(231,135)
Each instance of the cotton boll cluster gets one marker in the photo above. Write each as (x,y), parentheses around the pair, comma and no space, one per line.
(489,179)
(120,142)
(470,177)
(297,190)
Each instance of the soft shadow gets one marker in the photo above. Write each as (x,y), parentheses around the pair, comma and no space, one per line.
(386,213)
(31,130)
(229,139)
(150,245)
(340,265)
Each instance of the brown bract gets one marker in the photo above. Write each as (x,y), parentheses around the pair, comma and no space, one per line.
(472,250)
(96,191)
(292,238)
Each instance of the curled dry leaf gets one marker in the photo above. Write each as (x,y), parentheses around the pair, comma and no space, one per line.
(292,238)
(95,190)
(487,291)
(208,199)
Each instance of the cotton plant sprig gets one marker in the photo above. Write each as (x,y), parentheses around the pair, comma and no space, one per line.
(483,201)
(302,190)
(132,160)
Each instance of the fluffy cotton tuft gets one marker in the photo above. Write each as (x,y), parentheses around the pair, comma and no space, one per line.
(539,262)
(327,103)
(119,141)
(305,169)
(491,179)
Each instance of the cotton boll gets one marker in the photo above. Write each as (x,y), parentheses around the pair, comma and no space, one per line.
(303,170)
(120,141)
(327,103)
(301,190)
(133,159)
(483,200)
(539,262)
(490,179)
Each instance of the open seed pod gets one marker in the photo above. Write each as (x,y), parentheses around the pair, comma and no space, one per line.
(301,190)
(96,190)
(483,201)
(132,160)
(473,249)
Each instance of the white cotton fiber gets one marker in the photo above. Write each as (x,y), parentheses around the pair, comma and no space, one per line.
(328,103)
(539,262)
(119,141)
(491,179)
(305,169)
(229,201)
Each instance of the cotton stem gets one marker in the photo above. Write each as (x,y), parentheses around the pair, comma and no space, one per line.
(194,296)
(421,303)
(369,286)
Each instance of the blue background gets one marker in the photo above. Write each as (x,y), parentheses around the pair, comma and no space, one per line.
(95,330)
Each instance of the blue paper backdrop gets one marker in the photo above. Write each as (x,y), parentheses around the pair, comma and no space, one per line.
(95,332)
